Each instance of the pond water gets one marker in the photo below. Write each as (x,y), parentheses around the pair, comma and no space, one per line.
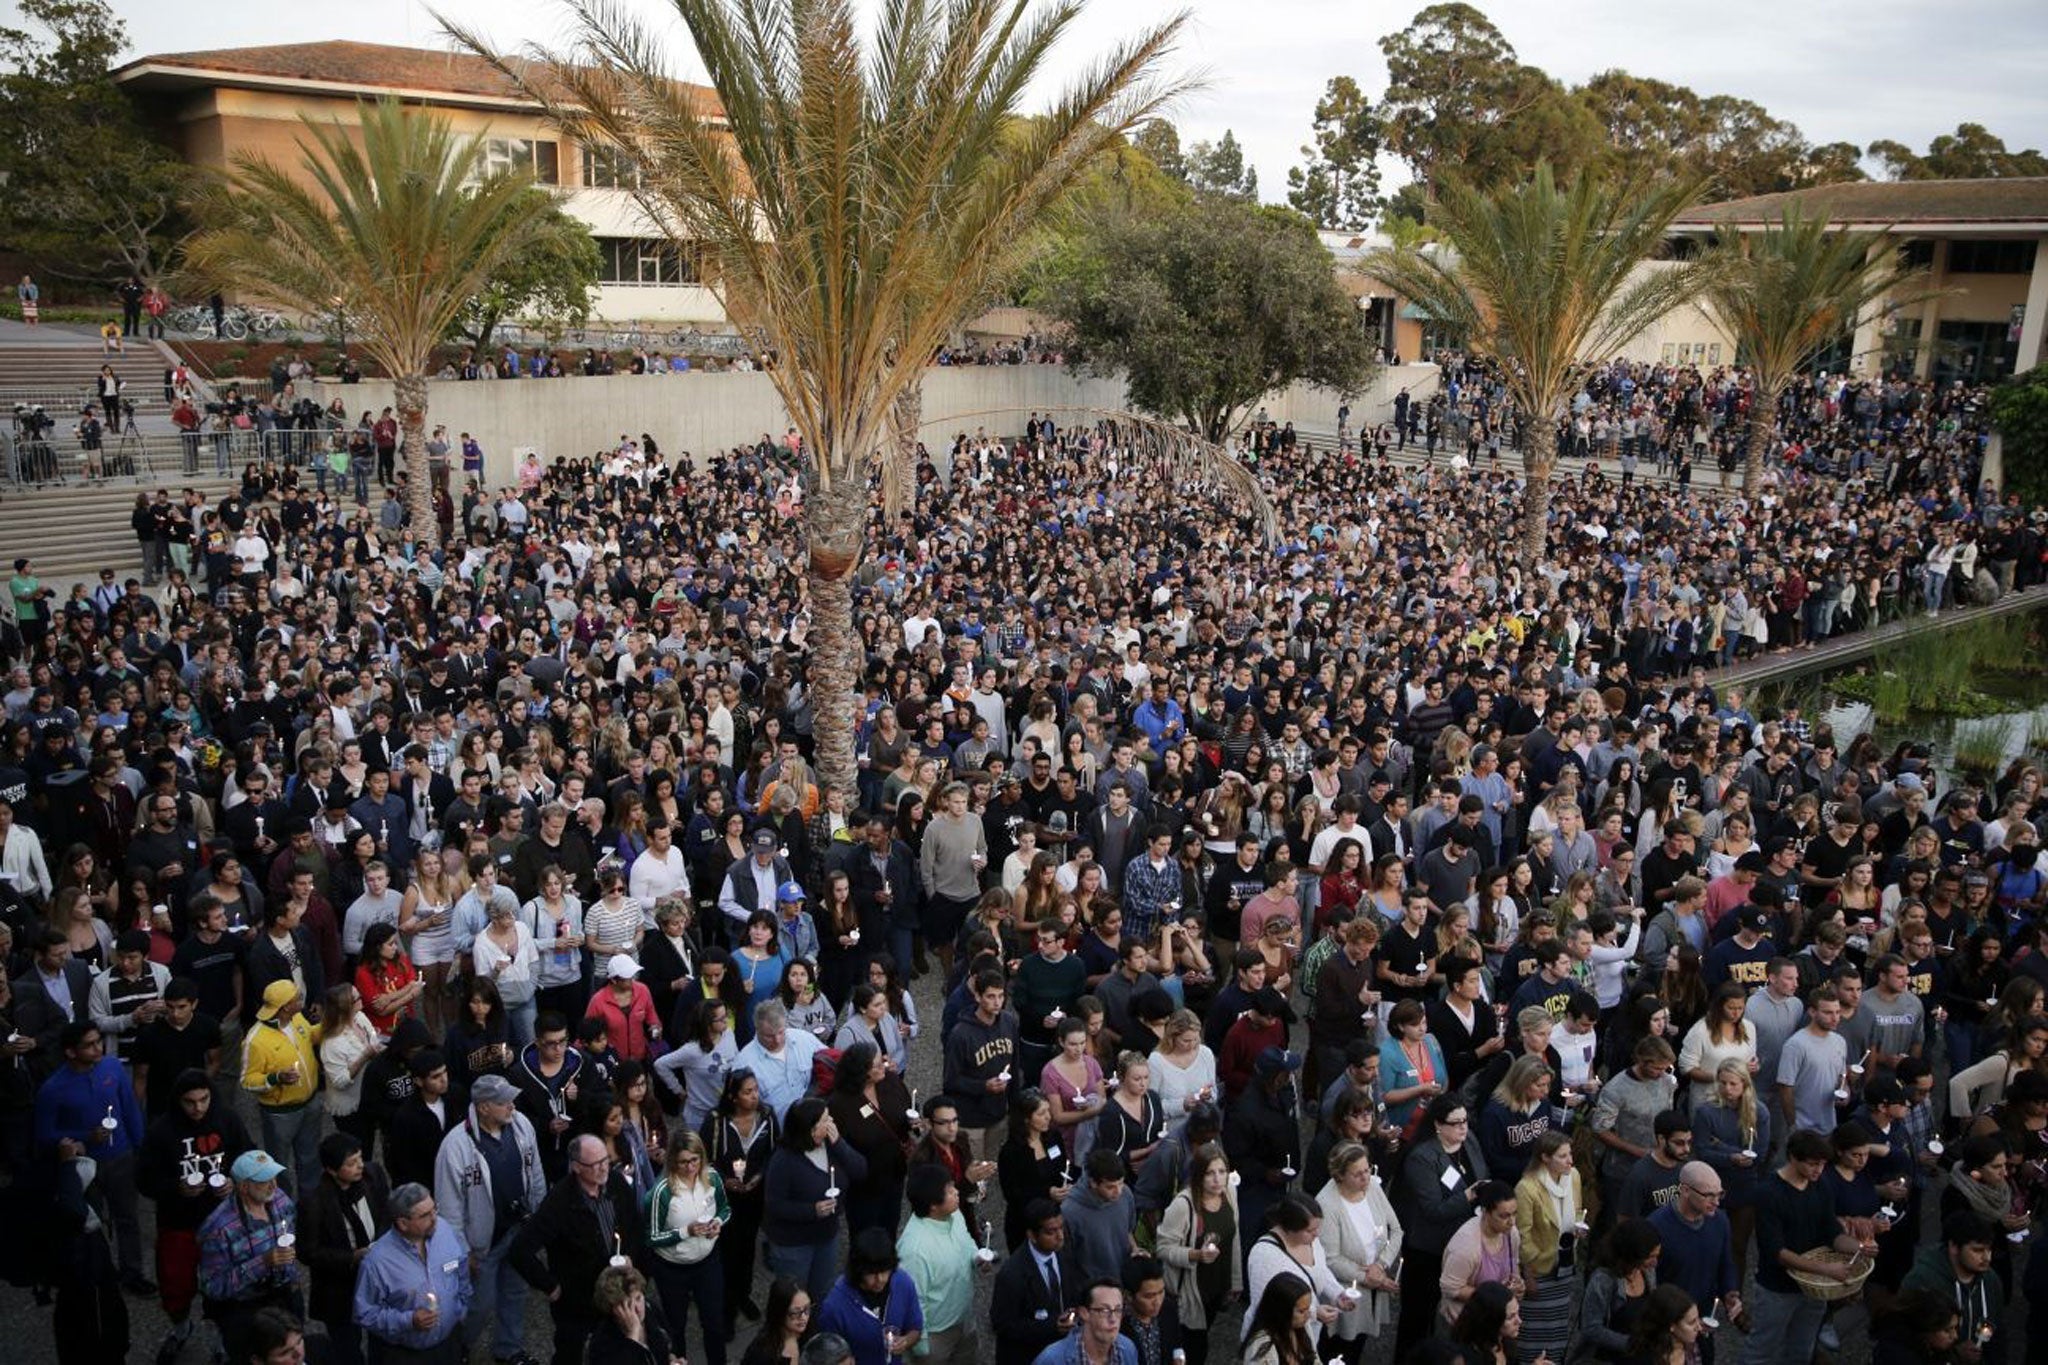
(2021,725)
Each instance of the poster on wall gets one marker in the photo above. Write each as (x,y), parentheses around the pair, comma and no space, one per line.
(1714,353)
(1670,350)
(2018,323)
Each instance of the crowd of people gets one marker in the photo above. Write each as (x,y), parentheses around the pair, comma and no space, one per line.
(1348,943)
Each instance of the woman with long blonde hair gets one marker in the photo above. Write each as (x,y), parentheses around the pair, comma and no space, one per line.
(1732,1133)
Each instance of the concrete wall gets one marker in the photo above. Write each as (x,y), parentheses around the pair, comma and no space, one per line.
(702,412)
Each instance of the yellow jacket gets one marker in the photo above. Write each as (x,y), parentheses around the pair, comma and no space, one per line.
(1536,1220)
(270,1050)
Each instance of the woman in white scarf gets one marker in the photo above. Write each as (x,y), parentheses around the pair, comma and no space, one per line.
(1550,1213)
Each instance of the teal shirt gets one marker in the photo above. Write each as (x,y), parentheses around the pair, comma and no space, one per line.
(939,1259)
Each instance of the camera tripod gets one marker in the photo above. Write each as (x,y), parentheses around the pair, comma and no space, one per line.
(129,453)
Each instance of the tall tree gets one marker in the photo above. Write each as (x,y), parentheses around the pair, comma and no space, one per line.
(1786,292)
(1160,140)
(1219,168)
(1651,126)
(856,199)
(1459,99)
(1206,308)
(394,220)
(1971,152)
(1547,280)
(1339,187)
(90,193)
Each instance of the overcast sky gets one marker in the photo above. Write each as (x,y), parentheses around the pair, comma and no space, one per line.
(1857,72)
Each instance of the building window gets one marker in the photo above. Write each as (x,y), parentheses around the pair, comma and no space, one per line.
(1916,254)
(536,157)
(1974,352)
(609,168)
(645,261)
(1967,257)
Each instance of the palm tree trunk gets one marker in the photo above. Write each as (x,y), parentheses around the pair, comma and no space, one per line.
(411,392)
(1762,417)
(1539,457)
(835,520)
(899,464)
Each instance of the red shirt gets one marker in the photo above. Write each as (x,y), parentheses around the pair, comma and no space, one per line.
(382,979)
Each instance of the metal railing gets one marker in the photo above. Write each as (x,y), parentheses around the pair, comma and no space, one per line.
(58,461)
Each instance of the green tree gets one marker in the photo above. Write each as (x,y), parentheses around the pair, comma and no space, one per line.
(2019,413)
(402,230)
(1339,187)
(1547,280)
(1219,168)
(90,193)
(1207,309)
(1160,141)
(1785,293)
(1460,100)
(1971,152)
(857,199)
(1651,126)
(548,279)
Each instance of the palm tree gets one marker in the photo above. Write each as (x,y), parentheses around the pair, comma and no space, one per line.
(1547,280)
(1788,290)
(401,231)
(855,200)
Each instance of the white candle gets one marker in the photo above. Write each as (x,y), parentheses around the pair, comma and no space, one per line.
(110,1123)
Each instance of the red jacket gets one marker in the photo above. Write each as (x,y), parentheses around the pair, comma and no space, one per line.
(629,1029)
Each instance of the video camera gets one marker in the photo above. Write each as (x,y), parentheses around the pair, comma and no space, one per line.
(31,423)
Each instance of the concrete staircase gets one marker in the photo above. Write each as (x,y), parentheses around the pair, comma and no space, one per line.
(74,530)
(64,377)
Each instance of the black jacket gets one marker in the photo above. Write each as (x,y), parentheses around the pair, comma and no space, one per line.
(413,1138)
(1262,1138)
(1021,1309)
(560,1247)
(330,1256)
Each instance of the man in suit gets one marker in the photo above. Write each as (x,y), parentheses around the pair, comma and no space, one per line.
(1038,1290)
(56,990)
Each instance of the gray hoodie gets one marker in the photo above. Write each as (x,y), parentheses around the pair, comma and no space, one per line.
(462,1179)
(1099,1232)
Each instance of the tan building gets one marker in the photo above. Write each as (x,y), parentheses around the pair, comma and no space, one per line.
(1984,244)
(217,105)
(1404,329)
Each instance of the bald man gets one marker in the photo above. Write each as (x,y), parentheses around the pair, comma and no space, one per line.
(1699,1254)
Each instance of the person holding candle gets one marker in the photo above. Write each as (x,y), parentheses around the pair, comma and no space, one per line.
(184,1168)
(1151,1321)
(412,1293)
(1293,1245)
(740,1138)
(488,1175)
(1197,1243)
(871,1106)
(981,1054)
(589,1220)
(631,1330)
(88,1108)
(1362,1239)
(874,1305)
(342,1216)
(248,1250)
(687,1210)
(800,1228)
(941,1255)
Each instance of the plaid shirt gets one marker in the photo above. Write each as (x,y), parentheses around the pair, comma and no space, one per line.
(232,1248)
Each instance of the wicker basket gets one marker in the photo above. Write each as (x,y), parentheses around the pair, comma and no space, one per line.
(1833,1291)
